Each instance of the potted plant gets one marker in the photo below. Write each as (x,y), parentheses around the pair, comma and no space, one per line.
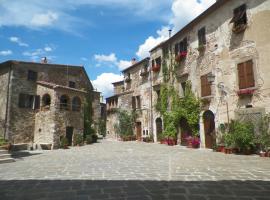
(64,143)
(181,56)
(263,138)
(88,139)
(228,140)
(78,140)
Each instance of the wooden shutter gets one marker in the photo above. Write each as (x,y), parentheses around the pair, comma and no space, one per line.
(246,75)
(241,76)
(205,86)
(176,49)
(133,103)
(249,74)
(37,102)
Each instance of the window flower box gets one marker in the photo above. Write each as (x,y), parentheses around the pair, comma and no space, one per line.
(181,56)
(156,68)
(245,92)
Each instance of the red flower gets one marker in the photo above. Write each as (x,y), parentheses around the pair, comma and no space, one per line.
(245,92)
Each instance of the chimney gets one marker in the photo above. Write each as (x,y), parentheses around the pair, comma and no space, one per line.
(170,33)
(133,61)
(44,60)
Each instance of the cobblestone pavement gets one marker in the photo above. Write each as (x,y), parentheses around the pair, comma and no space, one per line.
(133,170)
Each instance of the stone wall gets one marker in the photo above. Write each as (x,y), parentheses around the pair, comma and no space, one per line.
(4,77)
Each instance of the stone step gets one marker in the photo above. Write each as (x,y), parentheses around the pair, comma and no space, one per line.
(3,151)
(3,156)
(6,160)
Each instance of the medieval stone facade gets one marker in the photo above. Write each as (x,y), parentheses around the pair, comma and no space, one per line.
(224,52)
(40,102)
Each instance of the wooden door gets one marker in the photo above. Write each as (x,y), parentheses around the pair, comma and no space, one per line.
(209,129)
(69,135)
(139,131)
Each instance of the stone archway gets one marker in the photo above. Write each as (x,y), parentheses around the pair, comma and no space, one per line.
(159,128)
(209,129)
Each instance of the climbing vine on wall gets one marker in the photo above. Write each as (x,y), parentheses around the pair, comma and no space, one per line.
(173,109)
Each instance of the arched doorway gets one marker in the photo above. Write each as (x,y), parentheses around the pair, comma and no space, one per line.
(209,129)
(185,130)
(159,128)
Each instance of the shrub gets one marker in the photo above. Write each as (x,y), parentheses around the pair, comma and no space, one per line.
(64,142)
(242,135)
(3,141)
(78,139)
(88,139)
(94,138)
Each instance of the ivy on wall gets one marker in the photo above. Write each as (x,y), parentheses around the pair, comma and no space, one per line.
(173,109)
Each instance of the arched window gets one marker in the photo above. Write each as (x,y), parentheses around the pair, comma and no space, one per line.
(76,104)
(64,102)
(46,100)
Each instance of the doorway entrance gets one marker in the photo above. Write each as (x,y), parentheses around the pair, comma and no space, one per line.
(185,131)
(209,129)
(139,131)
(69,134)
(159,128)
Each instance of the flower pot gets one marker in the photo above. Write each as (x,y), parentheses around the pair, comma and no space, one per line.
(228,150)
(221,149)
(263,154)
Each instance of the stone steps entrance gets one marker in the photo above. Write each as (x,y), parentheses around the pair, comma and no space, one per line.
(5,157)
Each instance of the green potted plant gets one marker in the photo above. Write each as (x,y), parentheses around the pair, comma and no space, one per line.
(229,143)
(88,139)
(64,143)
(78,140)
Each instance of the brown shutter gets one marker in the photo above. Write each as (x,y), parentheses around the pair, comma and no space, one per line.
(133,103)
(241,76)
(205,86)
(37,102)
(249,74)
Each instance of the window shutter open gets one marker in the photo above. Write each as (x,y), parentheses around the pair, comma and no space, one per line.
(241,76)
(250,74)
(37,102)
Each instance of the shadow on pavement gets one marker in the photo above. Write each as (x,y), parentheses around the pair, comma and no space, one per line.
(131,190)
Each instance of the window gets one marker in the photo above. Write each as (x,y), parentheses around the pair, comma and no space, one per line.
(64,102)
(134,103)
(29,101)
(239,16)
(138,99)
(202,36)
(158,61)
(76,104)
(246,75)
(181,47)
(205,86)
(32,76)
(46,100)
(71,84)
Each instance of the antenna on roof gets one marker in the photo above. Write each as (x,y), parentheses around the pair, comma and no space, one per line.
(44,60)
(170,33)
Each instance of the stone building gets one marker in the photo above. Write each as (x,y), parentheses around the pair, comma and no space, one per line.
(224,53)
(132,94)
(40,102)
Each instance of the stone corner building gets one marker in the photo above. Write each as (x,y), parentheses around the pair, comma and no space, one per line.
(41,102)
(224,53)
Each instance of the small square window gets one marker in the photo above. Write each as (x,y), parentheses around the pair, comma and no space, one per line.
(32,75)
(71,84)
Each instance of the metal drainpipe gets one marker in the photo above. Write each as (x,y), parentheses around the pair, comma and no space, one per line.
(7,115)
(151,101)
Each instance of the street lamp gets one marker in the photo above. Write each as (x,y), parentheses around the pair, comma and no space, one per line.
(211,77)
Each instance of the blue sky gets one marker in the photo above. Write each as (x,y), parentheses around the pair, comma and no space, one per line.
(102,35)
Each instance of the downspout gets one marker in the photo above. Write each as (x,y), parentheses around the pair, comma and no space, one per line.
(7,115)
(151,102)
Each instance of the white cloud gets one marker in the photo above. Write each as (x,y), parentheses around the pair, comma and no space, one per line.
(18,41)
(183,12)
(103,83)
(59,14)
(46,19)
(6,53)
(37,54)
(111,60)
(123,64)
(106,58)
